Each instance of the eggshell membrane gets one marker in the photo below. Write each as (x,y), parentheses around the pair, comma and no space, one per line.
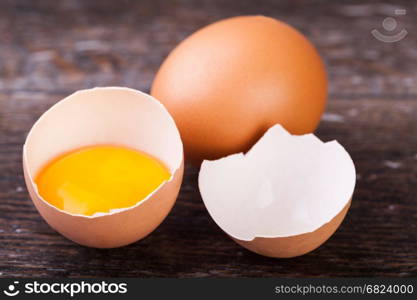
(230,81)
(285,197)
(111,115)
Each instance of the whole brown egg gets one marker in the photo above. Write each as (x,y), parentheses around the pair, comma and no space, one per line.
(230,81)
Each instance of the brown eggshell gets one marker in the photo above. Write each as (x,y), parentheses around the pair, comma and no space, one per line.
(284,197)
(111,115)
(285,247)
(115,230)
(227,83)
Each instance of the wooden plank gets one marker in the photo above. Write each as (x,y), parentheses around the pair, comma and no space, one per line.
(52,46)
(378,237)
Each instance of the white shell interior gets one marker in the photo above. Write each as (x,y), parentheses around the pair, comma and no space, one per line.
(108,115)
(285,185)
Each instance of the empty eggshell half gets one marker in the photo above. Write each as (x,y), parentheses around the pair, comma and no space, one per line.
(111,115)
(283,198)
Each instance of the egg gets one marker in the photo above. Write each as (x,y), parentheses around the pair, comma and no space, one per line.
(106,116)
(230,81)
(283,198)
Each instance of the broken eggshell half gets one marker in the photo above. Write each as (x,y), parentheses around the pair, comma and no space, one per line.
(283,198)
(111,115)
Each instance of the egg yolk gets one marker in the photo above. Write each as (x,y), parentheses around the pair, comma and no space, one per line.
(100,178)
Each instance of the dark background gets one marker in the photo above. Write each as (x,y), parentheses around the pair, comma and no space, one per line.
(49,49)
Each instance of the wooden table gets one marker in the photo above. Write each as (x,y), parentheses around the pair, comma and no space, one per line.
(48,49)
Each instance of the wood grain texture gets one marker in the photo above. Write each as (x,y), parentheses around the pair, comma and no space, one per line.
(48,50)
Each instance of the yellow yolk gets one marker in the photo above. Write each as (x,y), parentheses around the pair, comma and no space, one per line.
(100,178)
